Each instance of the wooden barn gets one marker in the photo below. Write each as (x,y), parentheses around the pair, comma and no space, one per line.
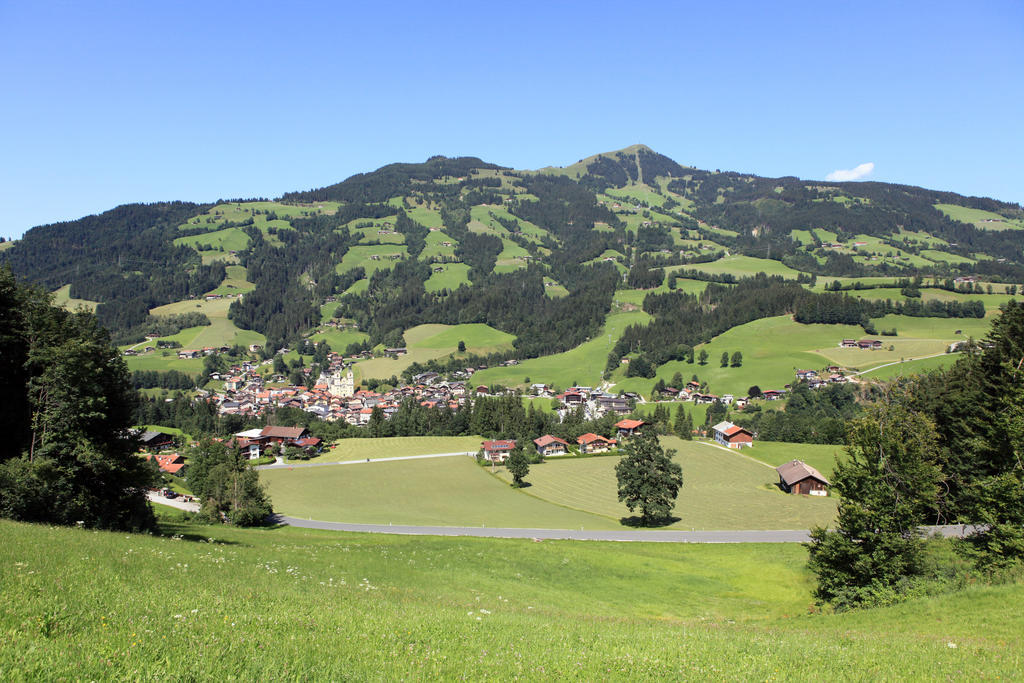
(796,476)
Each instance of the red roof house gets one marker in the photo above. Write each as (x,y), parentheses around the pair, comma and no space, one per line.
(498,450)
(629,427)
(733,436)
(594,443)
(551,445)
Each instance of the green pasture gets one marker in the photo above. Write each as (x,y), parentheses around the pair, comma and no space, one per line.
(639,192)
(346,450)
(451,491)
(744,266)
(4,246)
(327,311)
(453,276)
(985,220)
(372,234)
(327,605)
(554,290)
(337,339)
(221,331)
(722,489)
(426,342)
(358,287)
(62,297)
(773,349)
(235,282)
(229,239)
(425,216)
(945,257)
(435,247)
(157,360)
(804,237)
(822,457)
(361,256)
(912,367)
(583,364)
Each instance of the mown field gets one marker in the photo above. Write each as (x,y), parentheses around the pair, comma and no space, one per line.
(300,604)
(583,364)
(397,447)
(744,266)
(772,348)
(62,297)
(427,342)
(722,490)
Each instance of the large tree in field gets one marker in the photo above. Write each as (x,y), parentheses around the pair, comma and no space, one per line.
(229,490)
(888,487)
(518,466)
(648,479)
(68,453)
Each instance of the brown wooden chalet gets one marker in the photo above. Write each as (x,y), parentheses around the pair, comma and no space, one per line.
(796,476)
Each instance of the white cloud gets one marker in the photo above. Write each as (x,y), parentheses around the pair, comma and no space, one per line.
(856,173)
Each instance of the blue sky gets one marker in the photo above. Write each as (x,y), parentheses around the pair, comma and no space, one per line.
(105,103)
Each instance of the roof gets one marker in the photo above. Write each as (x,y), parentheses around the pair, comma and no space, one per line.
(283,432)
(499,445)
(629,424)
(250,434)
(547,440)
(797,470)
(591,437)
(149,435)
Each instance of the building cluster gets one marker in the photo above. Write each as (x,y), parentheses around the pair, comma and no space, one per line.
(334,396)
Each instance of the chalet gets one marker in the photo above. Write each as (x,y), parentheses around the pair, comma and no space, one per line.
(869,344)
(551,445)
(172,463)
(772,395)
(188,353)
(594,443)
(498,450)
(155,439)
(255,348)
(848,343)
(288,435)
(806,374)
(704,398)
(732,436)
(613,404)
(573,398)
(629,427)
(797,476)
(396,351)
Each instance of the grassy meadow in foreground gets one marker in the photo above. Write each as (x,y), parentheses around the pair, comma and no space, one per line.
(216,603)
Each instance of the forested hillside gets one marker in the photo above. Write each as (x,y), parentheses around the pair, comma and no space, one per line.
(537,254)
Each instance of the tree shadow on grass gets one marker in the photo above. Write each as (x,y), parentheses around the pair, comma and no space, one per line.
(653,523)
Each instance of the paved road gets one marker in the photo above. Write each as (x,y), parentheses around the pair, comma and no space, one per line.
(172,502)
(626,535)
(279,465)
(897,362)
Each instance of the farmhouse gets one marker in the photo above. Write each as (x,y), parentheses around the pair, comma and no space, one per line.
(629,427)
(869,344)
(594,443)
(797,476)
(274,434)
(155,439)
(551,445)
(733,436)
(498,450)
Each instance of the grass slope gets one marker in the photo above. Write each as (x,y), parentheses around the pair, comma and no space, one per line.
(722,489)
(301,604)
(452,491)
(398,446)
(583,364)
(62,297)
(426,342)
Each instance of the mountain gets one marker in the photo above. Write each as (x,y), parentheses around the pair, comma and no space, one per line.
(536,254)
